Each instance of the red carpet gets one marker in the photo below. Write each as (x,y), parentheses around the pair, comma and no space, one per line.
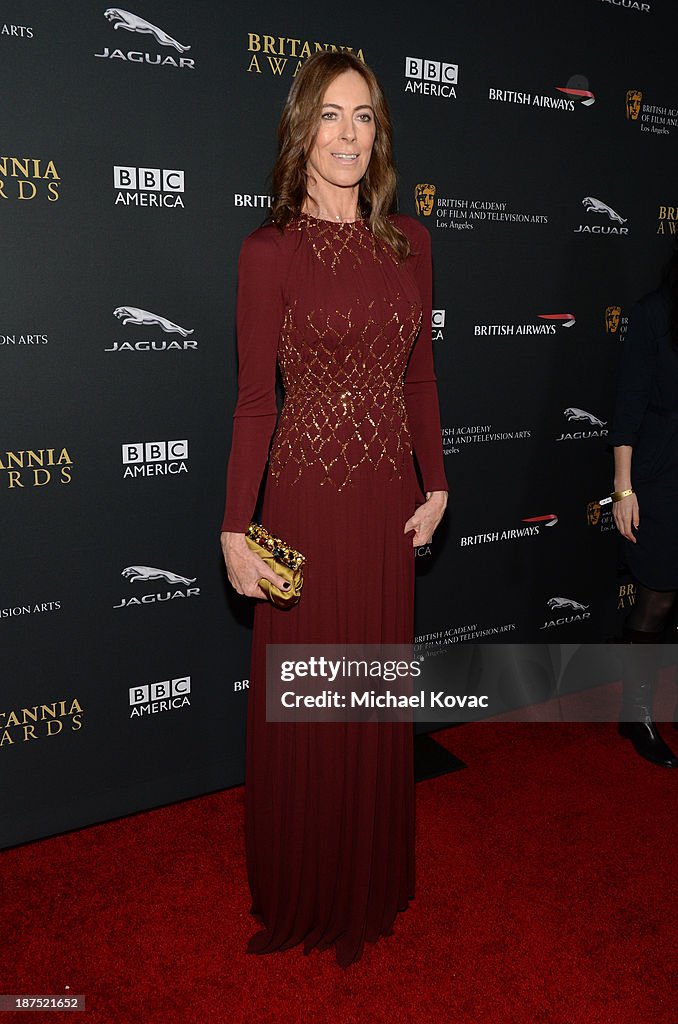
(546,882)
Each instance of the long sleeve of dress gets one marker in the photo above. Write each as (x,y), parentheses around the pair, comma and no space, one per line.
(259,314)
(421,388)
(635,379)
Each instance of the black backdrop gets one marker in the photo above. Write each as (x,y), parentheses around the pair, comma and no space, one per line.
(124,688)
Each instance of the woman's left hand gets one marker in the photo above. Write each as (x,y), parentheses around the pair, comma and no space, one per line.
(427,517)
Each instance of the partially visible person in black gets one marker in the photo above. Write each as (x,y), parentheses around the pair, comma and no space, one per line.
(644,436)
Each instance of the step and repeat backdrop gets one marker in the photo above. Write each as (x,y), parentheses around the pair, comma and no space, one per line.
(134,156)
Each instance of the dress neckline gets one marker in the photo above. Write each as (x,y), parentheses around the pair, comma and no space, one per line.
(337,223)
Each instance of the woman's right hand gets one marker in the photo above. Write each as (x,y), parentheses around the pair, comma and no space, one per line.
(625,514)
(245,568)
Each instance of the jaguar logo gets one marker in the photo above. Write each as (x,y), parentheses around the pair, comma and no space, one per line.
(132,315)
(596,206)
(140,573)
(580,415)
(133,23)
(566,602)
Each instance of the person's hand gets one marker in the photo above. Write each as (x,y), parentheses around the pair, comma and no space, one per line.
(625,514)
(245,568)
(426,518)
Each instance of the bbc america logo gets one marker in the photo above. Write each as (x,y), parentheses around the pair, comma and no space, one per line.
(154,458)
(165,695)
(431,77)
(148,186)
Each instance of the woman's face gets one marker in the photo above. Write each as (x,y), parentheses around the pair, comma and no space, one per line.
(343,144)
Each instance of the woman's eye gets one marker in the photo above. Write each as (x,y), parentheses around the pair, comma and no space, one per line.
(329,115)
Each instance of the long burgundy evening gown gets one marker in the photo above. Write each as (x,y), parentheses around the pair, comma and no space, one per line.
(329,807)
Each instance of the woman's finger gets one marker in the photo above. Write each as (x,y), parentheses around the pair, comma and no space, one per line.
(278,581)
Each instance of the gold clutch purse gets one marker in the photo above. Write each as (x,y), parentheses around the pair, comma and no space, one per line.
(283,559)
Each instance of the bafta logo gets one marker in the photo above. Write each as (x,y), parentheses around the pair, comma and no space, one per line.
(593,513)
(633,100)
(612,318)
(423,199)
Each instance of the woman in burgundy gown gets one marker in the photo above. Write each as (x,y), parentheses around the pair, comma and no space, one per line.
(337,293)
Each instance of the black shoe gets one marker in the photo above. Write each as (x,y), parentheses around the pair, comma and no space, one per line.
(648,743)
(636,723)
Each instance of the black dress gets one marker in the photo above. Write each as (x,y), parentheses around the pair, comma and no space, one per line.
(646,417)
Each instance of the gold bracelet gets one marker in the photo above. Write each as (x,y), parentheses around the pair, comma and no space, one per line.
(618,495)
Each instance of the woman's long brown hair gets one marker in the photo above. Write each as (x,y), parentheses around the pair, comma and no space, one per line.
(296,133)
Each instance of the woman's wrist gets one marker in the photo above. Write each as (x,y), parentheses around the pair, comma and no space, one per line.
(230,539)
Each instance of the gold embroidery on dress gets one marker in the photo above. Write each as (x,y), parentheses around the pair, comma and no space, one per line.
(344,372)
(344,405)
(332,241)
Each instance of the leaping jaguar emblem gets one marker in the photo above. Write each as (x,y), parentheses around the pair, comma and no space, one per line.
(582,415)
(132,315)
(595,206)
(133,23)
(566,602)
(140,573)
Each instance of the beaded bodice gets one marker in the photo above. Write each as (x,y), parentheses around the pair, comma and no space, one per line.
(350,321)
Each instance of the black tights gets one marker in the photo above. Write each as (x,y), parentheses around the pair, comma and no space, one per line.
(644,631)
(651,609)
